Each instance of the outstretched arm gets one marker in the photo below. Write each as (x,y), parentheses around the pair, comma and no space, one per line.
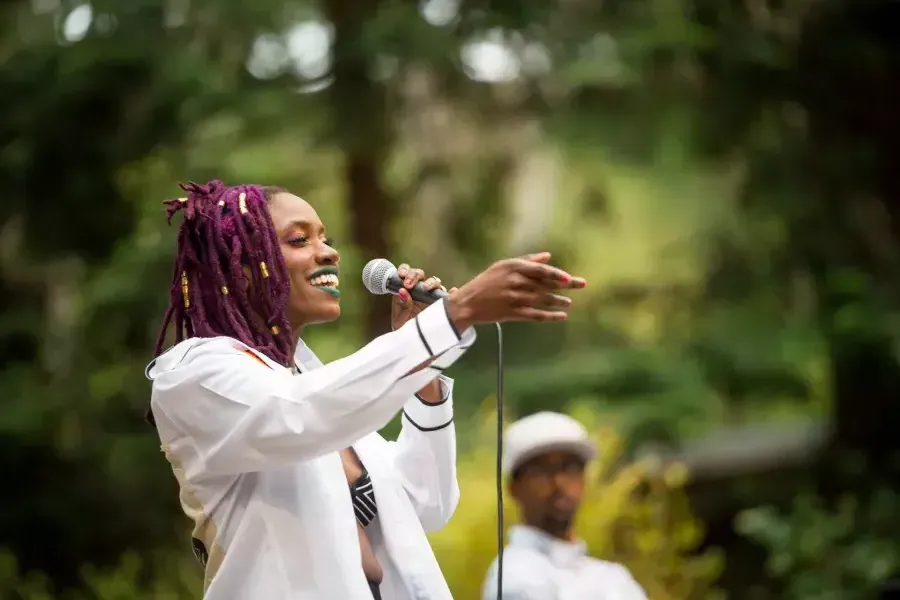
(221,412)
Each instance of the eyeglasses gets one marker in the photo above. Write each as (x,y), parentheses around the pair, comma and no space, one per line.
(572,467)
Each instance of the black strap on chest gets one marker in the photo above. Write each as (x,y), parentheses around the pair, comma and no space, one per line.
(361,491)
(363,496)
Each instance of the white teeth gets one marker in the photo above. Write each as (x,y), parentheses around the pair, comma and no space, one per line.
(325,280)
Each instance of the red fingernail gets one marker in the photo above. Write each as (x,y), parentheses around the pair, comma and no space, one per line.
(583,283)
(565,278)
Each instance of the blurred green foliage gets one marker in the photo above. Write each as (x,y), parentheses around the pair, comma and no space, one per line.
(721,172)
(844,553)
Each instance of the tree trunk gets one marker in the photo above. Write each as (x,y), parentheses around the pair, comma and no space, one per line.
(360,122)
(866,383)
(865,374)
(370,217)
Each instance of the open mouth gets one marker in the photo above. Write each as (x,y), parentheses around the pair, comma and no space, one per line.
(326,279)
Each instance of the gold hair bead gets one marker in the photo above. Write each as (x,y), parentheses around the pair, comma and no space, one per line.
(224,290)
(242,203)
(184,289)
(275,330)
(264,270)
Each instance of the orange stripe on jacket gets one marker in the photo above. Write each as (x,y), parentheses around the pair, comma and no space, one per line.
(254,355)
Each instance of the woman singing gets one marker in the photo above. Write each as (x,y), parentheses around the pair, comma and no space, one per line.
(279,464)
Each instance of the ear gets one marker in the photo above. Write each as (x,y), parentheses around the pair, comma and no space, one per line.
(513,488)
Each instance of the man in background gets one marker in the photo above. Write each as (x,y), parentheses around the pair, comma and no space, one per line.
(544,462)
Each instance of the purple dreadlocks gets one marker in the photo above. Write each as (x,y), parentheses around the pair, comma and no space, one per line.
(226,235)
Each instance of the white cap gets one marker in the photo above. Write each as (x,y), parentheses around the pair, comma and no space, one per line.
(544,432)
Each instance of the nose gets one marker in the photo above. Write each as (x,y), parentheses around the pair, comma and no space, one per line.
(327,255)
(556,480)
(559,479)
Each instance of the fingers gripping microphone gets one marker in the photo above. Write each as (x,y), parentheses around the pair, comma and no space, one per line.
(380,277)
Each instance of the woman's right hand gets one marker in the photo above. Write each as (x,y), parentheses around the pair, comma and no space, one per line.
(515,289)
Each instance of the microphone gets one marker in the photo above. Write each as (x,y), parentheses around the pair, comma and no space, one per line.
(380,277)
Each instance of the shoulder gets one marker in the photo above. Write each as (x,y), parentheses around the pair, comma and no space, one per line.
(616,574)
(523,571)
(203,376)
(194,351)
(220,366)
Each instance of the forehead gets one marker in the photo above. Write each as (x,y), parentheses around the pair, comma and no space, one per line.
(287,209)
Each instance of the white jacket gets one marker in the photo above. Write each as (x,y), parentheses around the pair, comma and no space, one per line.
(255,450)
(539,567)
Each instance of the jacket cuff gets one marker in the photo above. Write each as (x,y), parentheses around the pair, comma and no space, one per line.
(431,417)
(436,332)
(448,358)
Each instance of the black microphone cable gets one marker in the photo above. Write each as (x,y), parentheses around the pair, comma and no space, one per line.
(499,462)
(380,277)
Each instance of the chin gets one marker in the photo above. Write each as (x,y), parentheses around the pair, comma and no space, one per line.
(562,515)
(332,315)
(326,315)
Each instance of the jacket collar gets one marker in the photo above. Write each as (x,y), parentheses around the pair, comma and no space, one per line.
(559,551)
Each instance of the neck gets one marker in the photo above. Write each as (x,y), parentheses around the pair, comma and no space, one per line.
(296,333)
(559,529)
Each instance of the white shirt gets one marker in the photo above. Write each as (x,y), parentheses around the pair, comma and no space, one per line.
(255,450)
(537,566)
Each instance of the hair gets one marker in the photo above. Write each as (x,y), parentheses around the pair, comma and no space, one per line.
(227,233)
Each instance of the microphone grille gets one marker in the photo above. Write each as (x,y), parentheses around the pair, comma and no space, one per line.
(375,275)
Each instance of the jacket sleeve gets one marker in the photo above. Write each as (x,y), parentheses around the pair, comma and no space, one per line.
(425,452)
(425,458)
(223,412)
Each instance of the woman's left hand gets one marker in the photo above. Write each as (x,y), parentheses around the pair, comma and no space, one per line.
(403,308)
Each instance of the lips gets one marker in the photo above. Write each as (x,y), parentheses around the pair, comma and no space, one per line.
(326,280)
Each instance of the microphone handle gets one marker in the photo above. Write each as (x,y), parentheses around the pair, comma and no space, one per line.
(419,293)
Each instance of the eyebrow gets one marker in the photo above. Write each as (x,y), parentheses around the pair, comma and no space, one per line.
(304,225)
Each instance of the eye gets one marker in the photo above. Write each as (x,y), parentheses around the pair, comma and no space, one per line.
(298,241)
(573,467)
(329,242)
